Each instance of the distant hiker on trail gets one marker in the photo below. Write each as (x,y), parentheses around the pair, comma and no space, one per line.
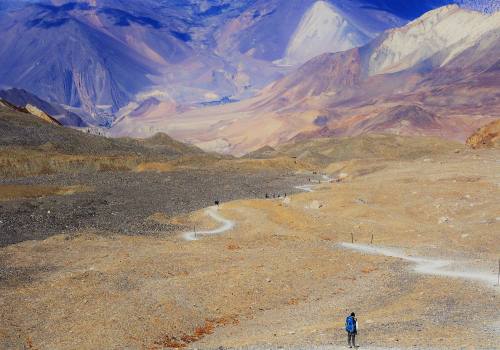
(351,327)
(267,196)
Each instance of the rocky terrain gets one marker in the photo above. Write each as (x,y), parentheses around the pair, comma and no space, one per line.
(100,257)
(34,143)
(22,128)
(124,202)
(56,179)
(486,137)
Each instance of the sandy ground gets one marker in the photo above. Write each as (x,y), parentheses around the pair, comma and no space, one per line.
(278,278)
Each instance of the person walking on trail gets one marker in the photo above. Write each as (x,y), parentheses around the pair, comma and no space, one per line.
(351,327)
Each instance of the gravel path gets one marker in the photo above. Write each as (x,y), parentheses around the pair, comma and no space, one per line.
(212,212)
(310,186)
(428,266)
(306,188)
(229,224)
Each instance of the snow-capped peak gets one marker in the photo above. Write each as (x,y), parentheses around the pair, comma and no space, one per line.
(448,30)
(323,28)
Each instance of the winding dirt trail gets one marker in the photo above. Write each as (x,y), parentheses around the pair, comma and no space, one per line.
(306,188)
(213,213)
(229,224)
(428,266)
(310,187)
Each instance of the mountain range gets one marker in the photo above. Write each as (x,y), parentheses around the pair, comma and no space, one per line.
(98,56)
(216,72)
(437,75)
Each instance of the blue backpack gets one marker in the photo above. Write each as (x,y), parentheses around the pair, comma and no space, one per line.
(350,324)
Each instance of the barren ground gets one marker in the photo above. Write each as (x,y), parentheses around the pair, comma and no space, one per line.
(279,278)
(123,202)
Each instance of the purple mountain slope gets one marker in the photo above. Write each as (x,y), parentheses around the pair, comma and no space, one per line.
(100,56)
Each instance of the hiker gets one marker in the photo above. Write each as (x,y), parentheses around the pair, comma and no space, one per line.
(267,196)
(351,327)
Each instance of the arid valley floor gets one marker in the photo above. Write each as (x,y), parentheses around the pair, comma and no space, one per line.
(280,277)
